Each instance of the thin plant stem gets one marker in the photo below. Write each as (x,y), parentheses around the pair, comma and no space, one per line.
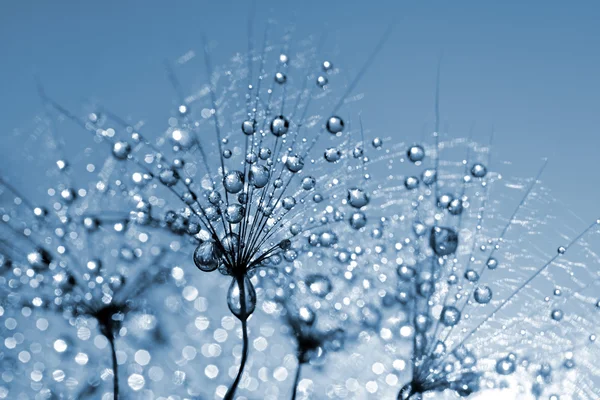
(115,367)
(244,319)
(297,378)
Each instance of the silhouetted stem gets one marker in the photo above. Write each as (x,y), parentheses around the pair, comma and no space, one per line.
(297,379)
(244,318)
(115,368)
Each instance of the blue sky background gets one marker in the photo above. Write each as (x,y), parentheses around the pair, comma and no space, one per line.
(530,70)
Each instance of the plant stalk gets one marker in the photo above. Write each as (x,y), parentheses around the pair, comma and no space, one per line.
(297,378)
(115,367)
(244,319)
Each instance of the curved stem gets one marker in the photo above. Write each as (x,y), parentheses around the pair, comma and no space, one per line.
(244,319)
(297,379)
(115,367)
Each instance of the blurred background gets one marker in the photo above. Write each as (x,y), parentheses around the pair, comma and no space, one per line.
(528,70)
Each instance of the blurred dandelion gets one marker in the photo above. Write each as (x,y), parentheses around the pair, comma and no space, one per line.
(78,257)
(484,300)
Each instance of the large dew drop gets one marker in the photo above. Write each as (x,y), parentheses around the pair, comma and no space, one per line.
(308,183)
(450,316)
(428,177)
(483,294)
(279,126)
(332,154)
(294,163)
(234,213)
(443,241)
(415,153)
(241,300)
(280,78)
(233,182)
(478,170)
(168,177)
(358,220)
(248,127)
(335,125)
(259,176)
(318,284)
(206,256)
(121,150)
(357,198)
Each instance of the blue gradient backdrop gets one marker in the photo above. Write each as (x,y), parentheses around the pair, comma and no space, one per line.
(530,70)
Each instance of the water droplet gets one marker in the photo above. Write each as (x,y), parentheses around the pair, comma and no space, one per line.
(407,393)
(419,228)
(483,294)
(68,195)
(332,154)
(308,183)
(168,177)
(280,78)
(405,273)
(327,66)
(294,163)
(136,382)
(506,366)
(214,197)
(322,81)
(357,198)
(241,305)
(39,259)
(422,322)
(233,181)
(428,177)
(492,263)
(288,203)
(40,212)
(206,256)
(455,207)
(306,315)
(444,200)
(328,239)
(264,153)
(259,176)
(234,213)
(183,109)
(443,241)
(377,143)
(557,315)
(248,127)
(471,275)
(121,150)
(478,170)
(335,125)
(231,243)
(182,138)
(562,250)
(416,153)
(450,316)
(279,126)
(319,285)
(411,182)
(358,220)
